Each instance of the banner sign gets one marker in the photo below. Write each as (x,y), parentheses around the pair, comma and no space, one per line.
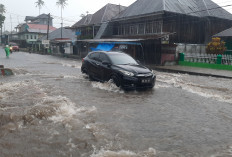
(45,42)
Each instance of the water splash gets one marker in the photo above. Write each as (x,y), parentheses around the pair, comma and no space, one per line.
(151,152)
(108,86)
(202,88)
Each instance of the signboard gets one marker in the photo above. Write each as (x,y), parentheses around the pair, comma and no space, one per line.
(45,42)
(78,33)
(123,47)
(165,39)
(46,46)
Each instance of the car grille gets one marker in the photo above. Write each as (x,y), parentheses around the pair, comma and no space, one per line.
(144,75)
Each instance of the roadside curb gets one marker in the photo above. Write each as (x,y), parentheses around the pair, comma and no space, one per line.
(190,72)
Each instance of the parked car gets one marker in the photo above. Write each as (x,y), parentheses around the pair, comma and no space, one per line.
(120,67)
(15,47)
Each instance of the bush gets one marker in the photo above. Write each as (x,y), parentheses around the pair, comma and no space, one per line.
(216,46)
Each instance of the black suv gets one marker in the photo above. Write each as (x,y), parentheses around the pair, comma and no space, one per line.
(118,66)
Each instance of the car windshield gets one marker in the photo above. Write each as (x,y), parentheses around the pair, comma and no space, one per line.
(121,59)
(13,44)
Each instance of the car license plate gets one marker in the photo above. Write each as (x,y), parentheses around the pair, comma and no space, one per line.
(146,80)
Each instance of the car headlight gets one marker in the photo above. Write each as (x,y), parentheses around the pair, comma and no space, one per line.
(127,73)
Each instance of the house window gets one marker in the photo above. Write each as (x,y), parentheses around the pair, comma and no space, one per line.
(126,30)
(120,30)
(133,29)
(31,36)
(141,29)
(149,28)
(35,37)
(157,27)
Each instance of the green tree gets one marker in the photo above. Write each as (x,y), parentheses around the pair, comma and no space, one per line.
(2,17)
(2,9)
(39,4)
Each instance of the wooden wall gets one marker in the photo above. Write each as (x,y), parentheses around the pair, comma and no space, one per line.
(191,29)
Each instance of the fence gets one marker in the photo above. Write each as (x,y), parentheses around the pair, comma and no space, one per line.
(209,58)
(190,48)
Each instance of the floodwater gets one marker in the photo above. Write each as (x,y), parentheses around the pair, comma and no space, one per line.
(49,109)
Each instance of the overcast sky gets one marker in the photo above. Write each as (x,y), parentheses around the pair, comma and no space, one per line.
(18,9)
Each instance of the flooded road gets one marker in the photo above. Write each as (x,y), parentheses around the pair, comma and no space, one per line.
(49,109)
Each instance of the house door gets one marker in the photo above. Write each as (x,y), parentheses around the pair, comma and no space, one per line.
(152,52)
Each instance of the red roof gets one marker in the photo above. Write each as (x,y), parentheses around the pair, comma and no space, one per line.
(41,27)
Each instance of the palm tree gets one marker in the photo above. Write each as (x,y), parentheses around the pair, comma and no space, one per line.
(2,17)
(39,4)
(2,9)
(62,4)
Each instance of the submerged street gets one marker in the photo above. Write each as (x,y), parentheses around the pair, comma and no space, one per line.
(50,109)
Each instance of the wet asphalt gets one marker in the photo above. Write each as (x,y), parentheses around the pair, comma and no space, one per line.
(48,108)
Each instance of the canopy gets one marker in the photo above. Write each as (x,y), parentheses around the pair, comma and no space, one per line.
(103,47)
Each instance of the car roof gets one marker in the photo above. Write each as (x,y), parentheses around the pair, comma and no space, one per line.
(12,43)
(109,52)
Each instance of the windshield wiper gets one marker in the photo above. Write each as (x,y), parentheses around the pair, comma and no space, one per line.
(132,63)
(129,64)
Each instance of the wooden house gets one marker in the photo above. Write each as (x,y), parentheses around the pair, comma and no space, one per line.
(165,22)
(88,27)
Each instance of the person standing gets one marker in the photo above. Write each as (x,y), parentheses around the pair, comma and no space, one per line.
(7,50)
(11,49)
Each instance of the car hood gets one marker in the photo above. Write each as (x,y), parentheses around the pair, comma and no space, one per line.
(136,69)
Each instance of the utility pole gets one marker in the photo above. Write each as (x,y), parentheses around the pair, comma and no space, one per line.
(48,25)
(61,33)
(10,27)
(61,24)
(48,30)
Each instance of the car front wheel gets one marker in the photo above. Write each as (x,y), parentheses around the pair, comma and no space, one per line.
(85,71)
(116,80)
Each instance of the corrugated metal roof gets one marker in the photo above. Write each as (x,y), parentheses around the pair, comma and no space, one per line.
(42,16)
(158,36)
(103,15)
(225,33)
(66,34)
(37,28)
(110,40)
(29,18)
(84,21)
(101,30)
(200,8)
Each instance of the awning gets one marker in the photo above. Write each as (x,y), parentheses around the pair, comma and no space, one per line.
(127,41)
(103,47)
(114,41)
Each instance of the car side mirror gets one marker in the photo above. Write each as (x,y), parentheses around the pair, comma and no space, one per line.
(138,61)
(106,63)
